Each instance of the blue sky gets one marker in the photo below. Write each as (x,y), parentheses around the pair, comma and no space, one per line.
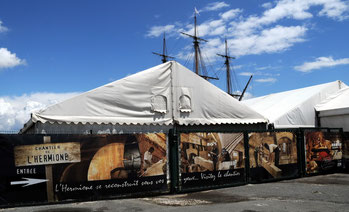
(52,50)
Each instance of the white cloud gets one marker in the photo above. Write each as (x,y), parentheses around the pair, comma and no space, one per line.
(3,28)
(292,9)
(335,9)
(300,9)
(246,74)
(263,68)
(276,39)
(8,59)
(218,31)
(214,6)
(257,33)
(156,31)
(260,73)
(321,62)
(230,14)
(267,5)
(266,80)
(15,110)
(207,28)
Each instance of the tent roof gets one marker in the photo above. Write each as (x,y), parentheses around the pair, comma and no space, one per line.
(165,94)
(294,108)
(336,104)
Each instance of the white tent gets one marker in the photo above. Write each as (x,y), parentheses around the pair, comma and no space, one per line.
(158,97)
(334,111)
(294,108)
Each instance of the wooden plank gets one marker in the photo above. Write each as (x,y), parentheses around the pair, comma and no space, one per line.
(271,168)
(207,164)
(156,169)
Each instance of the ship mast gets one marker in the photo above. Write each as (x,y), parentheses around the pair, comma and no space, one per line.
(164,55)
(227,64)
(196,42)
(229,84)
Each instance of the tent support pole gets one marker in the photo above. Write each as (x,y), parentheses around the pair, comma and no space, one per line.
(247,157)
(173,160)
(302,162)
(317,117)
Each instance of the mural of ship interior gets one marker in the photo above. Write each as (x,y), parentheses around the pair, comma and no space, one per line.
(272,154)
(202,152)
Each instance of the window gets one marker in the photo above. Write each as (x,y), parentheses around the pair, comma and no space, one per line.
(159,104)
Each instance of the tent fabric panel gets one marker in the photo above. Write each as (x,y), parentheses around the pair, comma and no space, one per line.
(295,107)
(152,97)
(116,102)
(339,100)
(334,111)
(209,104)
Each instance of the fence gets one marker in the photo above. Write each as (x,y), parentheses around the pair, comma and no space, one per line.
(65,167)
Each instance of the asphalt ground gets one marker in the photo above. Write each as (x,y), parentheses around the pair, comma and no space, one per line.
(317,193)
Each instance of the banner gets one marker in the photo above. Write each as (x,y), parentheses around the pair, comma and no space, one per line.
(38,168)
(209,159)
(323,151)
(44,154)
(272,155)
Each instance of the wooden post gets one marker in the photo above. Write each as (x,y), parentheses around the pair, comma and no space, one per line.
(48,172)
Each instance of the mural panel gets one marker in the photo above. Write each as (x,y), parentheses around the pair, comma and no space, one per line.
(323,151)
(60,167)
(272,155)
(209,159)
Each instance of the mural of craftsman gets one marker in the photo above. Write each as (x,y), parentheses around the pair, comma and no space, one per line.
(211,151)
(211,154)
(272,155)
(323,151)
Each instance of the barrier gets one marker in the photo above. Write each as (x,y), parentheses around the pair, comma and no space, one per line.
(53,168)
(38,169)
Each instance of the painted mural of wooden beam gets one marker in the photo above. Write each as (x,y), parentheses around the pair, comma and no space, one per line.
(271,168)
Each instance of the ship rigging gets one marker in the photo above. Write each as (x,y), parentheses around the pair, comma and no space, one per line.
(199,66)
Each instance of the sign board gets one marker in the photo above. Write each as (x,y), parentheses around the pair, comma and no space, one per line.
(44,154)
